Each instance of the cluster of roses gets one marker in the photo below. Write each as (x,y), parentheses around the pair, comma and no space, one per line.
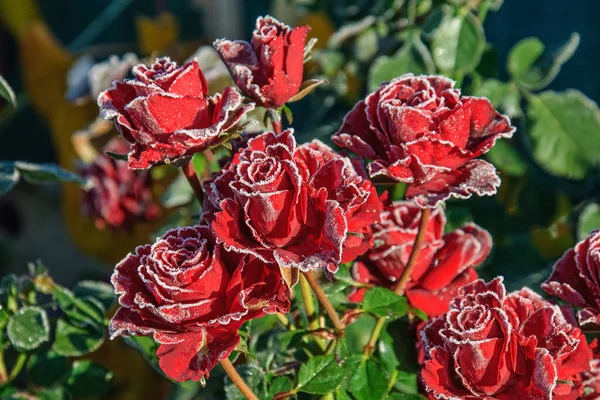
(278,208)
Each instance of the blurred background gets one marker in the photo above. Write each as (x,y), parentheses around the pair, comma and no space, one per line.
(551,187)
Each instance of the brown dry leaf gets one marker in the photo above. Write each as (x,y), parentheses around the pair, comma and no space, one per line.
(554,240)
(157,34)
(17,15)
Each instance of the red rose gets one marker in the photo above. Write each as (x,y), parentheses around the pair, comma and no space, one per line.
(591,378)
(266,207)
(165,114)
(419,130)
(576,279)
(346,182)
(192,297)
(497,346)
(268,70)
(117,196)
(446,261)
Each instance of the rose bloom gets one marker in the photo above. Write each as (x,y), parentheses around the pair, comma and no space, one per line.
(269,69)
(419,130)
(117,197)
(165,113)
(273,201)
(591,378)
(502,346)
(576,279)
(191,296)
(445,263)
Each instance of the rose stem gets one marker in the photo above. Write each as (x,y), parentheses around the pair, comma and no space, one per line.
(190,174)
(16,370)
(309,307)
(3,373)
(287,324)
(322,297)
(276,120)
(404,278)
(237,379)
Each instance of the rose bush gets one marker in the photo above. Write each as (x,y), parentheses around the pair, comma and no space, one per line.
(575,279)
(269,203)
(446,261)
(419,130)
(269,69)
(117,196)
(165,114)
(191,296)
(495,345)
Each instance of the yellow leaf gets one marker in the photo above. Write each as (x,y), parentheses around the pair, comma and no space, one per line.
(17,15)
(554,240)
(157,34)
(321,28)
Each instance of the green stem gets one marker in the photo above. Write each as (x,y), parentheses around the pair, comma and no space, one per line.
(287,324)
(404,278)
(392,380)
(3,372)
(322,297)
(21,359)
(484,7)
(237,380)
(309,307)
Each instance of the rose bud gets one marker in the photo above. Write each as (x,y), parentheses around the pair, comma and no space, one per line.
(192,296)
(117,197)
(265,207)
(446,261)
(269,69)
(419,130)
(497,346)
(575,279)
(346,182)
(165,114)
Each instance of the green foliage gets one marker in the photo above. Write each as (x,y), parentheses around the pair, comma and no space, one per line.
(507,159)
(88,379)
(28,328)
(254,376)
(458,42)
(505,96)
(384,303)
(7,93)
(320,375)
(560,127)
(534,68)
(589,220)
(12,171)
(369,381)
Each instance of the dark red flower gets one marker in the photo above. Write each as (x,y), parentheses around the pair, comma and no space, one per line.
(576,279)
(497,346)
(269,203)
(346,182)
(164,112)
(446,261)
(419,130)
(268,70)
(117,196)
(192,297)
(591,378)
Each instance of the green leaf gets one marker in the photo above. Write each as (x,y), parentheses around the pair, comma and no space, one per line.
(387,352)
(242,347)
(306,88)
(384,303)
(320,375)
(413,57)
(291,339)
(369,381)
(7,93)
(254,377)
(46,173)
(505,96)
(589,220)
(83,312)
(74,341)
(101,291)
(28,328)
(458,42)
(407,382)
(404,396)
(55,393)
(46,369)
(366,44)
(280,384)
(178,193)
(9,176)
(534,68)
(507,159)
(563,127)
(116,156)
(88,379)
